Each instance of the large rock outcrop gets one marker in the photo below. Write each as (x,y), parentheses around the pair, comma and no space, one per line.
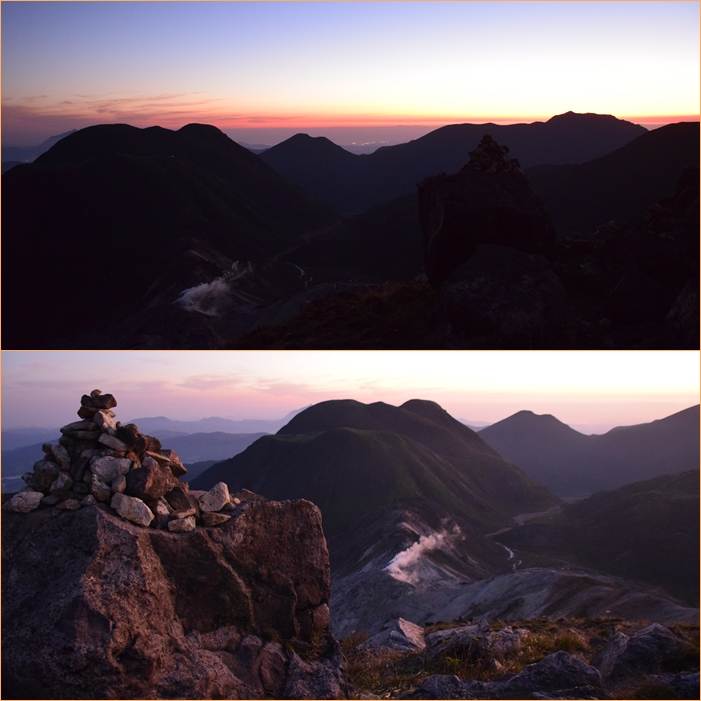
(489,201)
(95,606)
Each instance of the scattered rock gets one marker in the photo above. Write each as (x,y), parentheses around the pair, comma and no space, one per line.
(652,650)
(212,518)
(23,502)
(216,498)
(132,509)
(182,525)
(399,635)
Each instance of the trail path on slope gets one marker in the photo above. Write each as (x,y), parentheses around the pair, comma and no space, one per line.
(523,518)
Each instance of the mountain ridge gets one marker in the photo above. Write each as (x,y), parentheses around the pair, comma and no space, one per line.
(581,464)
(392,171)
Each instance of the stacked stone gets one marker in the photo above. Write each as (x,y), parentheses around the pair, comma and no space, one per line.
(490,157)
(98,459)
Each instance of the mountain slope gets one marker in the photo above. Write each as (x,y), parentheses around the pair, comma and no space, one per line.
(619,185)
(572,464)
(113,220)
(352,185)
(647,531)
(352,459)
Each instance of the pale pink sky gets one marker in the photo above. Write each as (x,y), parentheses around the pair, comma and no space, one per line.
(596,389)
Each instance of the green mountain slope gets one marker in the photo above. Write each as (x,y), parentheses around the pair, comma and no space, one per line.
(647,531)
(352,459)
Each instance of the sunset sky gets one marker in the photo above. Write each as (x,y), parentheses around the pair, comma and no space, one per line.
(592,391)
(262,71)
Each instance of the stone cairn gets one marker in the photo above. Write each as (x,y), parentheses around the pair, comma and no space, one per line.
(99,460)
(490,157)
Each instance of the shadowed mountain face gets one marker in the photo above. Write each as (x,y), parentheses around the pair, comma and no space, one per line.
(352,184)
(352,459)
(620,184)
(114,220)
(648,531)
(572,464)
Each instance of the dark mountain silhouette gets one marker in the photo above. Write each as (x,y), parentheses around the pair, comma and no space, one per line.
(313,163)
(114,219)
(619,185)
(648,531)
(383,243)
(572,464)
(351,459)
(352,184)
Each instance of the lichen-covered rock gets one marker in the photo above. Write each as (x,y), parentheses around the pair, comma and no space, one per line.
(176,465)
(182,525)
(150,481)
(132,509)
(212,518)
(24,502)
(109,468)
(215,498)
(132,612)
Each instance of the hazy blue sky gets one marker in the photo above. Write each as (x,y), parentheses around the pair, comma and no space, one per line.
(594,388)
(306,66)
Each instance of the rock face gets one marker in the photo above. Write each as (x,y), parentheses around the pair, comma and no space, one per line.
(95,606)
(489,201)
(505,293)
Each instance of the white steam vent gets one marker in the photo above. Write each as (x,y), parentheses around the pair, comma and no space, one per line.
(410,566)
(209,297)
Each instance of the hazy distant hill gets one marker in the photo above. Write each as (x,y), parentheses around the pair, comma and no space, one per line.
(618,185)
(26,154)
(143,214)
(572,464)
(648,531)
(156,425)
(351,183)
(198,447)
(351,459)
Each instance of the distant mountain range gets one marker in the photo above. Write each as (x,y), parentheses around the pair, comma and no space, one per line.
(217,244)
(572,464)
(351,183)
